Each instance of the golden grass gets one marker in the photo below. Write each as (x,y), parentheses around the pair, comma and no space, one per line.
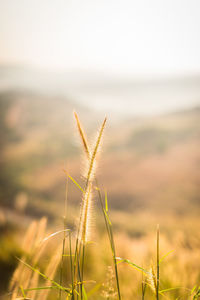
(86,216)
(168,276)
(33,248)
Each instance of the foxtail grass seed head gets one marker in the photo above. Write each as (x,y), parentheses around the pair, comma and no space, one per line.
(92,162)
(82,136)
(86,216)
(108,287)
(151,279)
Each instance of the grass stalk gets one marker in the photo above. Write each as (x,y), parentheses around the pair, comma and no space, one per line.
(143,286)
(111,239)
(85,209)
(82,266)
(64,238)
(62,262)
(71,264)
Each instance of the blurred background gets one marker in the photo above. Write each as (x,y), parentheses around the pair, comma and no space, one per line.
(138,63)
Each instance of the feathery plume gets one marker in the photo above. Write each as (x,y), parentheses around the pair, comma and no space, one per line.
(85,218)
(82,135)
(86,207)
(92,162)
(108,287)
(151,279)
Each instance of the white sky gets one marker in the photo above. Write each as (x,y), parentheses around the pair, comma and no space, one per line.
(111,36)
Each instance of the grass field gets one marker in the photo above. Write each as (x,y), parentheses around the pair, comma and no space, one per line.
(148,174)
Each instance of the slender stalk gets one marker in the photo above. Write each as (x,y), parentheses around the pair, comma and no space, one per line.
(115,262)
(143,286)
(79,273)
(111,239)
(62,262)
(64,238)
(85,210)
(23,292)
(82,268)
(75,256)
(71,264)
(158,265)
(61,266)
(76,267)
(84,227)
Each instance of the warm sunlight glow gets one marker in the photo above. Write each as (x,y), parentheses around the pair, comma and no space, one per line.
(130,37)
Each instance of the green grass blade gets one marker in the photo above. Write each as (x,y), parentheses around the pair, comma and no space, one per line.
(44,276)
(106,201)
(23,291)
(193,289)
(74,181)
(173,288)
(107,217)
(84,293)
(41,288)
(164,256)
(94,290)
(110,236)
(132,265)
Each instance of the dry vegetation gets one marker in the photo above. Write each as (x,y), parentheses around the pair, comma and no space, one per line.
(82,262)
(150,171)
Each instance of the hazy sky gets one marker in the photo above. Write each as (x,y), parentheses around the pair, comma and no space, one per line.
(112,36)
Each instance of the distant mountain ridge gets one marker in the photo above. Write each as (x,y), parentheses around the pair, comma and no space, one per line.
(128,96)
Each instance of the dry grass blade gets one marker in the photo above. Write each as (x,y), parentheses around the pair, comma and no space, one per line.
(51,270)
(33,283)
(23,276)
